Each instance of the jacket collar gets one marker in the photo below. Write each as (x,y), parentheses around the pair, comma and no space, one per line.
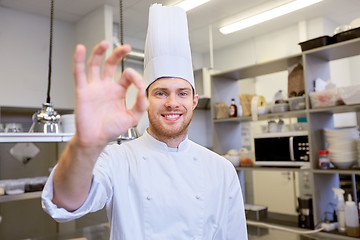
(156,144)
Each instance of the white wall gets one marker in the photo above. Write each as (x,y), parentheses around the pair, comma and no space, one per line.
(279,44)
(95,27)
(24,51)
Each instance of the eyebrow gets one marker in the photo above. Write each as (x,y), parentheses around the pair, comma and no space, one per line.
(166,89)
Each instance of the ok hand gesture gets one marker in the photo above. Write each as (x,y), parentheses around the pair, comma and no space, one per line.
(101,114)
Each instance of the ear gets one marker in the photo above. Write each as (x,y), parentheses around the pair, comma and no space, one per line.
(195,101)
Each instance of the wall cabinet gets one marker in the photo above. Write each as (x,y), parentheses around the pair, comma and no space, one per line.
(227,132)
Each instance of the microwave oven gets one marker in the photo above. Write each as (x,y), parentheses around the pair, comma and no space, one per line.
(282,149)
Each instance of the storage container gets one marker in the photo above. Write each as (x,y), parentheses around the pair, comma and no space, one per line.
(221,110)
(326,98)
(316,42)
(35,184)
(255,212)
(297,103)
(350,94)
(15,187)
(347,35)
(280,107)
(246,158)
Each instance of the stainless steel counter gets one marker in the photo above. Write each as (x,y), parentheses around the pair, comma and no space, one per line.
(102,232)
(262,233)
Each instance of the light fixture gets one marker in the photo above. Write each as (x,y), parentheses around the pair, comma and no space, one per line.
(190,4)
(47,120)
(267,15)
(132,132)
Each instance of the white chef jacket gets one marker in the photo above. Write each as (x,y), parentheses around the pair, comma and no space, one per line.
(154,192)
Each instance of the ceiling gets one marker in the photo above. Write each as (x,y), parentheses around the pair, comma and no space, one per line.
(211,15)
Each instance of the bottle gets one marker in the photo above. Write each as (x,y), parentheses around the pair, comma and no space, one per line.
(233,109)
(351,218)
(324,162)
(339,193)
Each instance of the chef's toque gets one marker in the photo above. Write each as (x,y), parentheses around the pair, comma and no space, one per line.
(167,47)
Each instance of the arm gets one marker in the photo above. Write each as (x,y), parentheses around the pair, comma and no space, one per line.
(101,116)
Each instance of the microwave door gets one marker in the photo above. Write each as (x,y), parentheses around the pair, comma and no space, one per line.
(272,149)
(301,148)
(291,148)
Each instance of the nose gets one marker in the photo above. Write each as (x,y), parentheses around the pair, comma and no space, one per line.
(171,102)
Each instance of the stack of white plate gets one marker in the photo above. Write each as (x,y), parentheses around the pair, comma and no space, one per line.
(343,146)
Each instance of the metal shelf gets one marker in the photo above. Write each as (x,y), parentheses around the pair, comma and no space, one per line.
(280,169)
(295,114)
(288,114)
(35,137)
(336,51)
(260,68)
(337,171)
(17,197)
(337,109)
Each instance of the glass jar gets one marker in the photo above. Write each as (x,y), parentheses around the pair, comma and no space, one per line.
(324,162)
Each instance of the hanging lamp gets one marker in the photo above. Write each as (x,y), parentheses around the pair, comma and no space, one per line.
(47,120)
(132,132)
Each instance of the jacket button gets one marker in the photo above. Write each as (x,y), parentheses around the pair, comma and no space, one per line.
(197,196)
(148,197)
(194,158)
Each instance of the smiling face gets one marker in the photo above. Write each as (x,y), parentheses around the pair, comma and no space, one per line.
(171,109)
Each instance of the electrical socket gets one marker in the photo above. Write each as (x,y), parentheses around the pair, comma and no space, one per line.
(329,226)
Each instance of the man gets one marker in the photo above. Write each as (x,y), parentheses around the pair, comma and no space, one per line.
(161,185)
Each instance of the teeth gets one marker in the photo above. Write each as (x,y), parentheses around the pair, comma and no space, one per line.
(172,116)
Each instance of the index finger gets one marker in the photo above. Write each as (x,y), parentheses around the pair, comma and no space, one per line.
(111,62)
(130,76)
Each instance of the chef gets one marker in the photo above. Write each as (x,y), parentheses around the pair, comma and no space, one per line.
(161,186)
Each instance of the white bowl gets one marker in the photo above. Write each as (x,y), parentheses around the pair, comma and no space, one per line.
(262,110)
(342,149)
(347,132)
(343,165)
(235,160)
(344,157)
(340,146)
(340,160)
(68,123)
(342,138)
(335,151)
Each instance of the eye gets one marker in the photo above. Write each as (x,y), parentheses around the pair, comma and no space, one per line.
(184,93)
(160,94)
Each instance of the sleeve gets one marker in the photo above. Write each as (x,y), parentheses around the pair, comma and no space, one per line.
(100,193)
(236,222)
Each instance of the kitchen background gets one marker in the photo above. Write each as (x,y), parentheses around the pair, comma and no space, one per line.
(24,45)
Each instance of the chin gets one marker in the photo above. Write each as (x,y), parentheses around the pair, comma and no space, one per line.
(169,131)
(172,132)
